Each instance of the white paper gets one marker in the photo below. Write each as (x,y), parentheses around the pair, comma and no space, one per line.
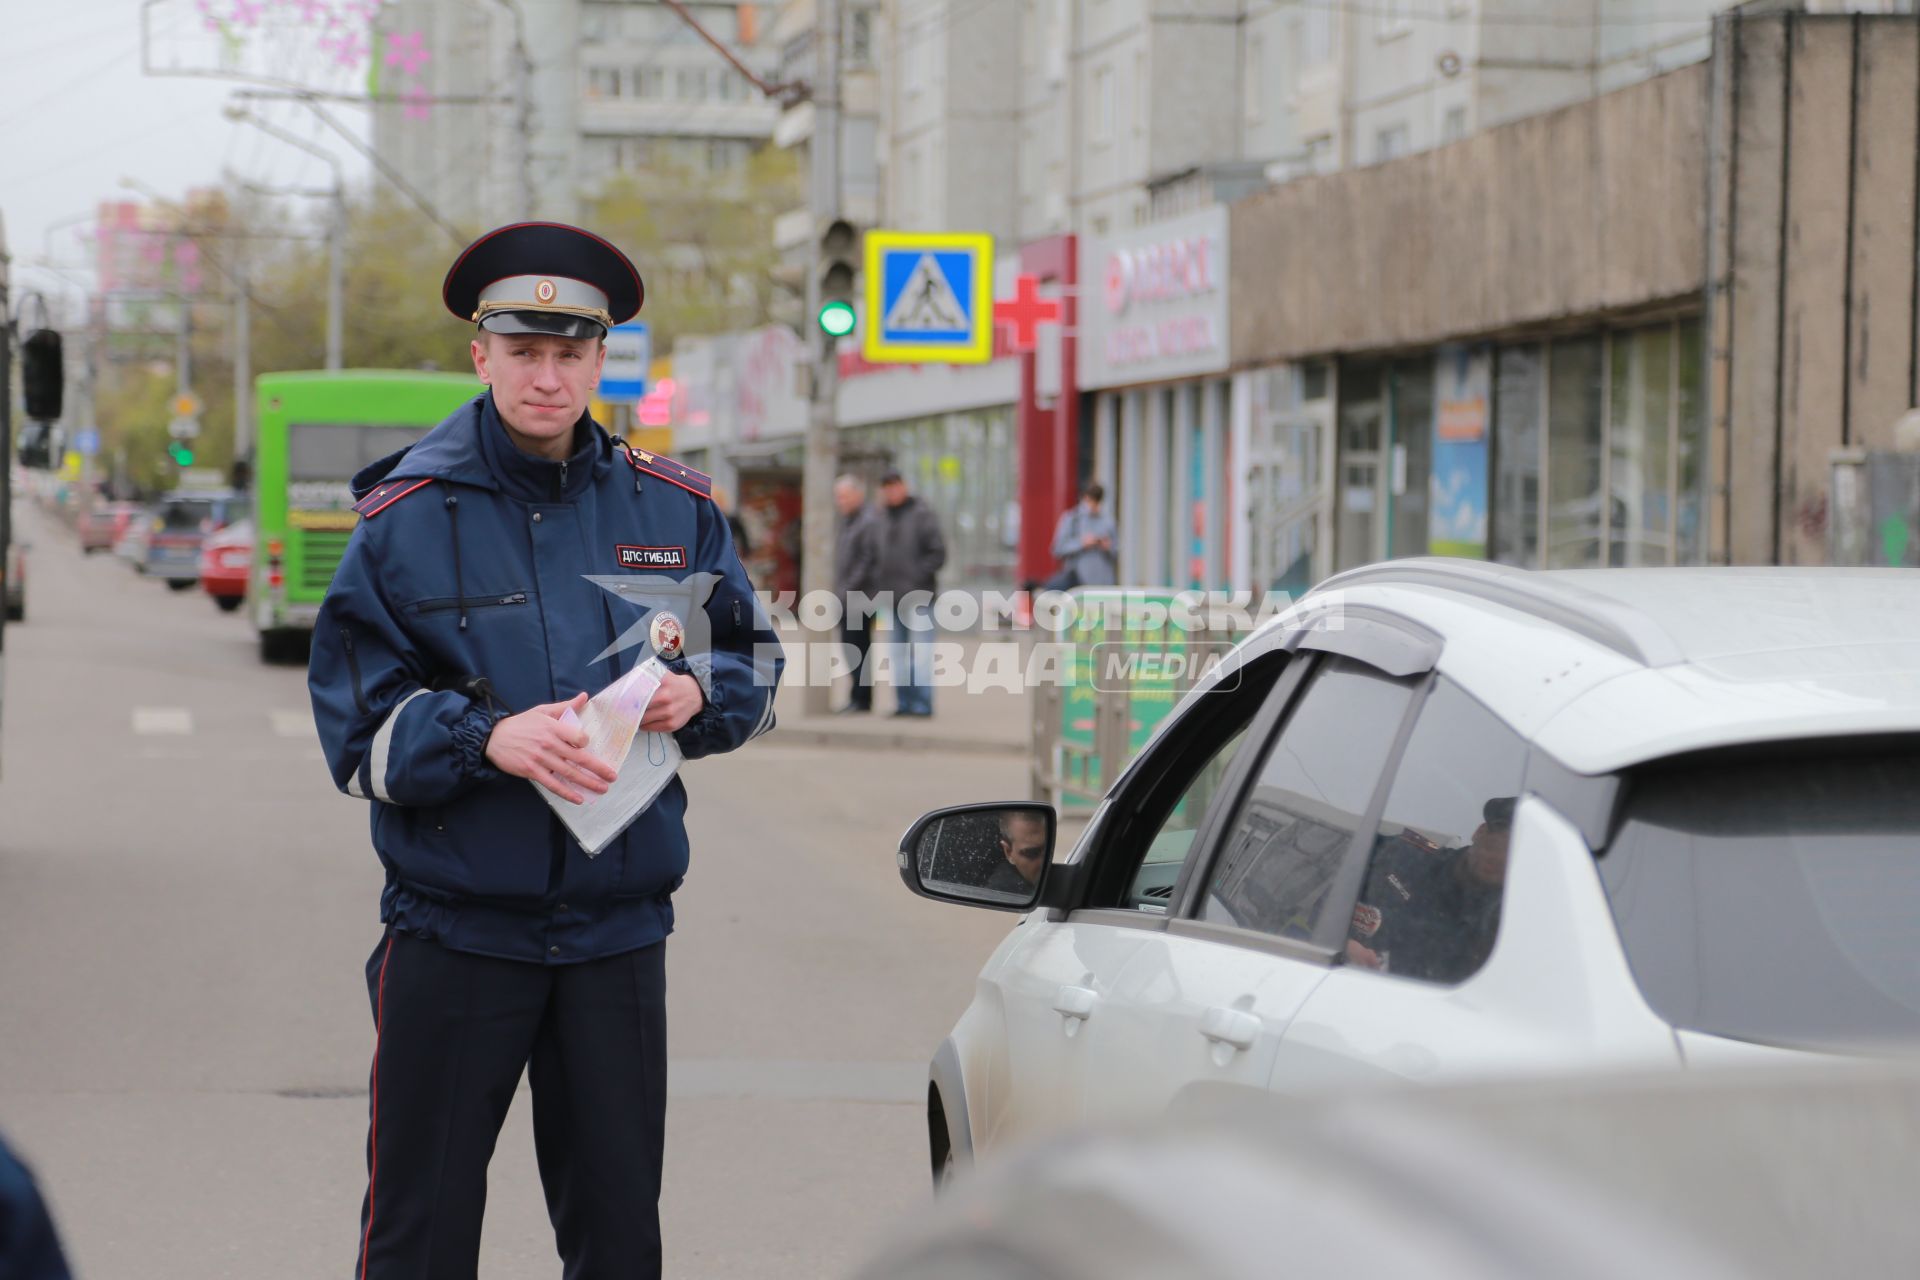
(645,762)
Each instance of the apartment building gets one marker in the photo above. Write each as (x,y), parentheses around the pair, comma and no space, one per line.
(523,108)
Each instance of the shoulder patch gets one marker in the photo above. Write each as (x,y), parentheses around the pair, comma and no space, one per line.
(696,482)
(385,495)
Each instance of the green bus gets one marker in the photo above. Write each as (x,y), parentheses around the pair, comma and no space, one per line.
(316,430)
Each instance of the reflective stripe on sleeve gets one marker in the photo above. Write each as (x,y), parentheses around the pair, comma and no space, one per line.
(382,745)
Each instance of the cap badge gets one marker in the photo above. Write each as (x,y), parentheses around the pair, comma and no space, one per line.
(544,291)
(666,634)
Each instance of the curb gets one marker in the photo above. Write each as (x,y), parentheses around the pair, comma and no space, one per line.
(808,736)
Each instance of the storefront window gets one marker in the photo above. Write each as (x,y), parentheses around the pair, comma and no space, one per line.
(963,466)
(1286,495)
(1690,447)
(1640,406)
(1360,490)
(1410,508)
(1519,393)
(1575,516)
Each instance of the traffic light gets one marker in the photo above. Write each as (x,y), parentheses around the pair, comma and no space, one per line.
(181,452)
(839,271)
(43,375)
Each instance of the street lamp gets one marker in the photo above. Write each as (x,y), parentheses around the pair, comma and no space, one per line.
(336,227)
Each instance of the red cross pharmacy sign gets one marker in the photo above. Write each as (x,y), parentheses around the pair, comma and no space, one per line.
(1025,312)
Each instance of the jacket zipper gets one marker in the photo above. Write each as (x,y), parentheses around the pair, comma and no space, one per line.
(472,602)
(563,478)
(353,669)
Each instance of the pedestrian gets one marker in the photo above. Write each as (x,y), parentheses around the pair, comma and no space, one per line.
(912,553)
(856,567)
(483,595)
(1083,544)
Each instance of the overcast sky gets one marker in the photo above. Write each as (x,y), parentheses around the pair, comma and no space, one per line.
(77,114)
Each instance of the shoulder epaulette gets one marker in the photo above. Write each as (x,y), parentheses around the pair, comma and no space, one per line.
(385,495)
(697,482)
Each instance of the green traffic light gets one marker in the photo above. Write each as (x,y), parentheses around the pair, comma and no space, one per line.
(836,319)
(180,453)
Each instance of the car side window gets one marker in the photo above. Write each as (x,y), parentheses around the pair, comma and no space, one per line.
(1430,906)
(1171,791)
(1168,847)
(1285,846)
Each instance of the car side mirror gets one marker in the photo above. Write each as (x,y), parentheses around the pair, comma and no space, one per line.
(981,855)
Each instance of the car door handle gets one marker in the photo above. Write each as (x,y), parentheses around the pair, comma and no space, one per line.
(1236,1027)
(1075,1002)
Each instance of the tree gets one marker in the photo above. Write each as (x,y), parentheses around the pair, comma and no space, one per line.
(703,242)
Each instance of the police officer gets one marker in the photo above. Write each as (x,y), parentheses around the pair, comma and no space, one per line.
(1432,913)
(509,564)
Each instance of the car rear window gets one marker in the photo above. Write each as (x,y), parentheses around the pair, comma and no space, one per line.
(185,515)
(1774,899)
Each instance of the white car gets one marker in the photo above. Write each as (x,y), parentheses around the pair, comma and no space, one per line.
(1448,821)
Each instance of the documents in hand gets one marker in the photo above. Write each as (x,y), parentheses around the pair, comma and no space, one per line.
(645,762)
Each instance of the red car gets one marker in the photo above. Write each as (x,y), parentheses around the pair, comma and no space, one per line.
(106,524)
(226,558)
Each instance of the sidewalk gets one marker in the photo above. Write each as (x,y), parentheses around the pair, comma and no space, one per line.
(989,721)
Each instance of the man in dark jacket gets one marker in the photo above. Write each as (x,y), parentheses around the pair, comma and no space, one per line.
(856,568)
(912,552)
(507,566)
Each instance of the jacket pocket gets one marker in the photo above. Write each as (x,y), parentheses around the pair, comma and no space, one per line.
(353,670)
(444,604)
(493,842)
(653,851)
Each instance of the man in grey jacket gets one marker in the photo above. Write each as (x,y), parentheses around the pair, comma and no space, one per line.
(912,552)
(856,570)
(1083,544)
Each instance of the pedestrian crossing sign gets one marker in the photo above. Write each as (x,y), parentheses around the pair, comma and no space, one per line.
(929,298)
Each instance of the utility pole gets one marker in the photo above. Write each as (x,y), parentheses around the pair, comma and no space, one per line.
(242,365)
(823,429)
(336,226)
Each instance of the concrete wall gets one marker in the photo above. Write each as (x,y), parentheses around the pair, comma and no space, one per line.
(1815,265)
(1591,209)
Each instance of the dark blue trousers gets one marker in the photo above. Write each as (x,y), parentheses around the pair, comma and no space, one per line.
(453,1032)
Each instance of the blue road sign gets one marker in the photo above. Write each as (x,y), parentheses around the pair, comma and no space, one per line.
(623,379)
(86,442)
(929,297)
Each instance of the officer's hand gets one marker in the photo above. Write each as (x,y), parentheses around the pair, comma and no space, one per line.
(1364,957)
(536,745)
(677,700)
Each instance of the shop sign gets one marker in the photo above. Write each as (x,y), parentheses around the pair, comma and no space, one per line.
(1161,307)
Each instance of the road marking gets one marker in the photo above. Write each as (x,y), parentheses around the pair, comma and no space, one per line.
(153,721)
(292,724)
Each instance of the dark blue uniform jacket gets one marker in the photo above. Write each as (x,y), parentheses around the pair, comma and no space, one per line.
(472,562)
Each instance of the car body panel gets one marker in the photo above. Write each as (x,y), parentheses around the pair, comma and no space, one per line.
(226,560)
(105,525)
(1191,1013)
(1034,1088)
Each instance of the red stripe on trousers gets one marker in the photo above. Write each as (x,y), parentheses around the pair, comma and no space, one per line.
(373,1130)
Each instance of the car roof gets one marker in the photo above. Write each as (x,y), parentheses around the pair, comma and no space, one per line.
(1605,668)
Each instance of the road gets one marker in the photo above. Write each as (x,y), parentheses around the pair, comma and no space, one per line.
(186,906)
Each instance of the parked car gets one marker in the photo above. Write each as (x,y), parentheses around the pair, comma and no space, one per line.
(1450,821)
(226,559)
(16,578)
(106,524)
(181,521)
